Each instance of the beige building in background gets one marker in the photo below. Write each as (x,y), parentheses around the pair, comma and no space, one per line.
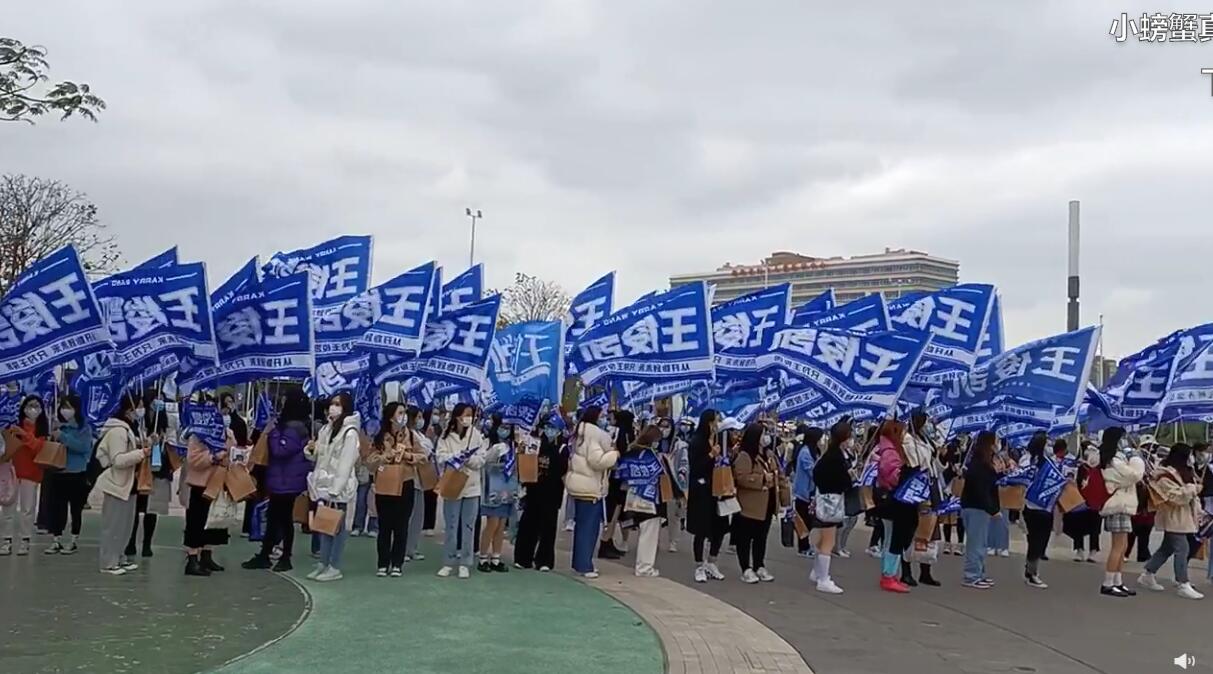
(893,273)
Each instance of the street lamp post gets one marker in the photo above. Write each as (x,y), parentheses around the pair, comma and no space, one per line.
(473,216)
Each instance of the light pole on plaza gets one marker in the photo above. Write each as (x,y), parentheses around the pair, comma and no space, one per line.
(473,216)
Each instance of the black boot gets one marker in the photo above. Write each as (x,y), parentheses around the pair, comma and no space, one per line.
(130,544)
(924,576)
(907,576)
(149,529)
(193,567)
(258,561)
(607,550)
(209,562)
(283,565)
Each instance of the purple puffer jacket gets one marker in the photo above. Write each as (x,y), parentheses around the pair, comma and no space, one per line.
(288,467)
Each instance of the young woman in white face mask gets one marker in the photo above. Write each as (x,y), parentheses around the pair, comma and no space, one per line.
(119,454)
(423,510)
(394,453)
(70,490)
(17,520)
(462,448)
(500,491)
(332,482)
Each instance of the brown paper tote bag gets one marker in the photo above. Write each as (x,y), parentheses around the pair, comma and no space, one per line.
(173,458)
(958,487)
(389,479)
(528,468)
(326,520)
(52,455)
(261,451)
(427,475)
(926,526)
(667,488)
(143,477)
(722,482)
(215,484)
(240,485)
(11,443)
(451,484)
(867,499)
(802,529)
(1070,497)
(301,510)
(1012,498)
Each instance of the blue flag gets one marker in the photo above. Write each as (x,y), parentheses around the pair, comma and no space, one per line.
(956,318)
(804,315)
(264,412)
(369,405)
(10,407)
(992,342)
(162,261)
(1190,393)
(152,313)
(866,314)
(337,270)
(744,328)
(455,349)
(205,422)
(1052,371)
(601,400)
(464,289)
(588,308)
(915,490)
(435,306)
(867,371)
(666,337)
(526,361)
(265,331)
(49,316)
(388,318)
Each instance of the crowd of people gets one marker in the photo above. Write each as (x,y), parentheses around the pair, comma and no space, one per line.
(615,476)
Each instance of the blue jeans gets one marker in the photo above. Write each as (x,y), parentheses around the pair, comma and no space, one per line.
(333,547)
(999,536)
(361,523)
(977,528)
(460,517)
(588,518)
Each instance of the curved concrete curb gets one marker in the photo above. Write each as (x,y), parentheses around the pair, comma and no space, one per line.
(303,616)
(699,633)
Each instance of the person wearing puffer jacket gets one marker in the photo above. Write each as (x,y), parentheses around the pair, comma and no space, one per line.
(119,454)
(1177,495)
(462,447)
(1121,472)
(285,479)
(591,460)
(333,482)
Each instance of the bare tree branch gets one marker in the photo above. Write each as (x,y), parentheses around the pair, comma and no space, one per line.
(37,217)
(532,299)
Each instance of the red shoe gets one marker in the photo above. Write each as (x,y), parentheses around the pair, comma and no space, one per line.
(892,584)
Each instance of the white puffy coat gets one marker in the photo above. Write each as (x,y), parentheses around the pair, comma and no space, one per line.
(1121,478)
(334,478)
(451,446)
(592,458)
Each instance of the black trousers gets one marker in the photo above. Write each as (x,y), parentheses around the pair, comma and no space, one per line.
(535,545)
(1141,536)
(877,537)
(69,493)
(905,522)
(431,510)
(394,514)
(1040,528)
(46,496)
(750,537)
(279,524)
(195,519)
(716,539)
(960,531)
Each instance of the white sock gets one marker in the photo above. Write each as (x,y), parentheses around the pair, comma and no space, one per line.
(1109,579)
(1119,580)
(822,565)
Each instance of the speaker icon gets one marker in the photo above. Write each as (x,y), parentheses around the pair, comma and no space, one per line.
(1184,661)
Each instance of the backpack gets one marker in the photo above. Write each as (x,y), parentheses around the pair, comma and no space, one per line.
(8,484)
(95,467)
(1095,493)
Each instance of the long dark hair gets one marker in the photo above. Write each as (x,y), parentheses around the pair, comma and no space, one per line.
(1109,444)
(1177,459)
(703,430)
(73,401)
(127,403)
(347,408)
(983,448)
(625,423)
(839,433)
(385,422)
(496,425)
(296,407)
(456,414)
(42,426)
(751,439)
(1036,447)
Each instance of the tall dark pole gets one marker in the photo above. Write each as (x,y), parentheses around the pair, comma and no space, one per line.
(1072,308)
(473,216)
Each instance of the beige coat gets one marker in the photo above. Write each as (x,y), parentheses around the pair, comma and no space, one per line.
(119,454)
(1178,503)
(755,479)
(401,447)
(592,458)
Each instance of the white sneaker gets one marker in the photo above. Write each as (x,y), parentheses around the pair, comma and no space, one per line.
(713,571)
(1004,553)
(319,569)
(465,572)
(765,576)
(749,577)
(330,574)
(843,554)
(813,575)
(873,552)
(1036,582)
(355,533)
(396,572)
(418,557)
(828,586)
(23,547)
(570,525)
(991,552)
(701,575)
(1091,558)
(1150,582)
(545,569)
(381,573)
(6,548)
(651,573)
(590,574)
(445,572)
(673,546)
(114,571)
(129,566)
(428,533)
(1188,592)
(1079,556)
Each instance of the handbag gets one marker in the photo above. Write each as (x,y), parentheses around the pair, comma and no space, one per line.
(389,479)
(787,532)
(528,468)
(301,509)
(261,451)
(215,483)
(728,507)
(239,483)
(143,477)
(852,502)
(326,519)
(222,512)
(830,508)
(52,455)
(451,484)
(427,475)
(722,482)
(922,552)
(8,484)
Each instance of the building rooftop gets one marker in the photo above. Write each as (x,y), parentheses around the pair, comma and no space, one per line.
(782,260)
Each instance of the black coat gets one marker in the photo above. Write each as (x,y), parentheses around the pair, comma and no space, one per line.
(702,517)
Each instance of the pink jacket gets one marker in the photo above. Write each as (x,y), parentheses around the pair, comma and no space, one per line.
(888,470)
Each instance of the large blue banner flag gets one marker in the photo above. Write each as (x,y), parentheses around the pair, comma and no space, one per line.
(1050,371)
(464,289)
(337,270)
(867,371)
(166,259)
(265,331)
(745,327)
(866,314)
(665,337)
(525,361)
(589,307)
(455,348)
(157,312)
(1190,394)
(992,342)
(956,318)
(803,315)
(204,422)
(48,317)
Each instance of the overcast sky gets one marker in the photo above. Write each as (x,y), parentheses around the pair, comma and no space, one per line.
(649,137)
